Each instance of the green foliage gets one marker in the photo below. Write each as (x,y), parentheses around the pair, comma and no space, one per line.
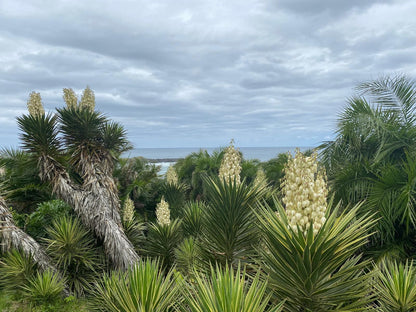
(319,272)
(16,270)
(274,169)
(20,182)
(192,218)
(138,179)
(396,286)
(142,288)
(73,249)
(175,196)
(373,159)
(187,255)
(249,169)
(227,291)
(43,217)
(40,134)
(69,304)
(44,287)
(83,128)
(229,232)
(194,167)
(162,241)
(134,230)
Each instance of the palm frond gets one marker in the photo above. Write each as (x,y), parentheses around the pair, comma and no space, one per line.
(397,93)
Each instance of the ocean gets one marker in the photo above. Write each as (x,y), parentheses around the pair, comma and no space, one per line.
(167,156)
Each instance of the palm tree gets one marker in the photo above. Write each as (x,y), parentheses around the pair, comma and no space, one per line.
(75,152)
(373,158)
(194,167)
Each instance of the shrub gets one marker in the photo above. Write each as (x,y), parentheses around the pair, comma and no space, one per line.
(396,286)
(227,291)
(45,287)
(46,212)
(72,248)
(16,269)
(143,288)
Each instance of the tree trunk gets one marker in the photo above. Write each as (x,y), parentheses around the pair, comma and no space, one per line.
(96,203)
(14,237)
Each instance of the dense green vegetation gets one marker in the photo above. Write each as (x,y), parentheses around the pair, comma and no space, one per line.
(83,229)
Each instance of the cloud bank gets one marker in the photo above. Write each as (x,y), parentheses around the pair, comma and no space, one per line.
(198,73)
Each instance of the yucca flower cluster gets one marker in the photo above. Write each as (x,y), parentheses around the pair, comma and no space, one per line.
(172,176)
(128,210)
(305,192)
(230,168)
(34,104)
(87,99)
(261,180)
(163,212)
(70,98)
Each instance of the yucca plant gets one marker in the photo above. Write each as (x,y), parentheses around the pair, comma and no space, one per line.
(86,141)
(192,218)
(162,240)
(134,230)
(73,249)
(226,290)
(229,232)
(44,287)
(16,269)
(175,196)
(396,286)
(187,255)
(319,271)
(144,287)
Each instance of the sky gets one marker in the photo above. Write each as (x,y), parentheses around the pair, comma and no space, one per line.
(199,73)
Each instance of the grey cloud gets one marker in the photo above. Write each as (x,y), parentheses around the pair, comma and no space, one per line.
(188,73)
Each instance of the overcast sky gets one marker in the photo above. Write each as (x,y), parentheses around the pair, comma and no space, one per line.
(198,73)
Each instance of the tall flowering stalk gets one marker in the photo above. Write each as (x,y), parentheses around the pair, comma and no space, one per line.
(128,210)
(230,168)
(70,98)
(88,99)
(305,192)
(172,176)
(261,180)
(34,105)
(163,212)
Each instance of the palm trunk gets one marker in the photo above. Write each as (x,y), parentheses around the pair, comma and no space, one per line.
(97,204)
(14,237)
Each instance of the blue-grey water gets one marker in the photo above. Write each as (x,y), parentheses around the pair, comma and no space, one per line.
(260,153)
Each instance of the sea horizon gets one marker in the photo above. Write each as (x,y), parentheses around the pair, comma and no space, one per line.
(166,156)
